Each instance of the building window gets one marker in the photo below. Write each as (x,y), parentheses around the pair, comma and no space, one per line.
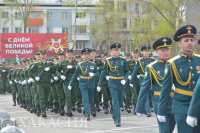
(123,6)
(81,29)
(18,15)
(80,14)
(49,14)
(80,44)
(65,15)
(48,30)
(33,30)
(124,23)
(18,30)
(5,30)
(64,29)
(137,9)
(4,14)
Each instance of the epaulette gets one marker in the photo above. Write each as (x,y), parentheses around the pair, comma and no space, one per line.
(152,63)
(109,58)
(80,62)
(197,55)
(174,58)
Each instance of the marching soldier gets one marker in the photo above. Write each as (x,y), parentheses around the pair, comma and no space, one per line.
(3,74)
(139,72)
(85,73)
(193,116)
(68,73)
(182,73)
(153,78)
(59,78)
(115,71)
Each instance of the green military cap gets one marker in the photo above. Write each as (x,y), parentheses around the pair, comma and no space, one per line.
(187,30)
(162,42)
(85,50)
(115,45)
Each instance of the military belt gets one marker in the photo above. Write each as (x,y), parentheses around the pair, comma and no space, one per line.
(157,93)
(86,77)
(116,78)
(183,92)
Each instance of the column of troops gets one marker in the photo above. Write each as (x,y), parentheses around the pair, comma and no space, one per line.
(140,83)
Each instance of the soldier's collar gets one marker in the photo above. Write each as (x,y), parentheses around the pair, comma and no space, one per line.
(162,61)
(186,56)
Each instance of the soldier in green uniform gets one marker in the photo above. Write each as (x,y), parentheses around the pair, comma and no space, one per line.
(12,84)
(182,73)
(193,116)
(35,73)
(130,91)
(59,78)
(68,73)
(97,95)
(115,71)
(85,73)
(154,74)
(3,73)
(139,71)
(44,75)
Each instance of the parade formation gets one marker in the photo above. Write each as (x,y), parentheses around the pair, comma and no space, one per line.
(140,83)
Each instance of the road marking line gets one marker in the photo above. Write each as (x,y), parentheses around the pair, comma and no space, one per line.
(121,129)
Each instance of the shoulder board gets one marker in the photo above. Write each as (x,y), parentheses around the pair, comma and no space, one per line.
(80,62)
(197,55)
(108,58)
(152,63)
(174,58)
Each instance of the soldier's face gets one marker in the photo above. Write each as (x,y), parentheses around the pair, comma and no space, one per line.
(186,44)
(163,53)
(115,52)
(145,53)
(69,55)
(85,56)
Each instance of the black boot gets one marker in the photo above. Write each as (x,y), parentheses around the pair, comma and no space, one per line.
(69,114)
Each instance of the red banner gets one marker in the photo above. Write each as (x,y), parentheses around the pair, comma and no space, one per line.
(25,45)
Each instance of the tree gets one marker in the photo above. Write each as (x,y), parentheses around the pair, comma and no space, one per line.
(24,7)
(111,23)
(158,18)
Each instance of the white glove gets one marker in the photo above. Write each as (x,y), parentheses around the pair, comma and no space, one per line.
(191,121)
(51,80)
(138,76)
(69,66)
(55,78)
(98,88)
(131,85)
(15,81)
(161,118)
(123,82)
(129,77)
(70,88)
(140,114)
(3,70)
(46,69)
(37,78)
(25,81)
(62,77)
(78,78)
(31,80)
(10,82)
(91,74)
(107,77)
